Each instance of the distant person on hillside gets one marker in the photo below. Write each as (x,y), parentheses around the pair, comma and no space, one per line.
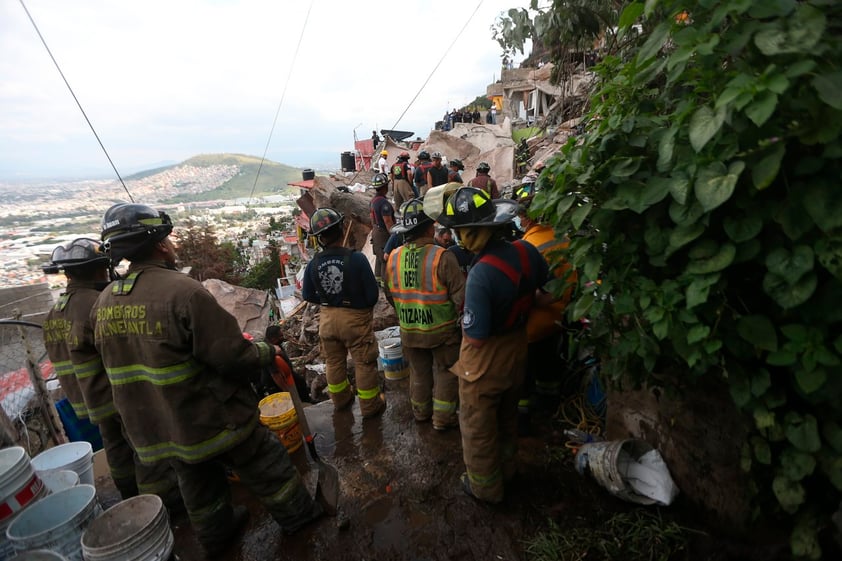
(375,140)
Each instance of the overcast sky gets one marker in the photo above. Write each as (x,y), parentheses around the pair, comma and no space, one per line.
(164,80)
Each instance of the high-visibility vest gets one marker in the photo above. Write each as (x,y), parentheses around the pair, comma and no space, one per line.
(421,301)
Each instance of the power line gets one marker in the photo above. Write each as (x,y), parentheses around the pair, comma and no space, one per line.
(395,126)
(283,95)
(85,115)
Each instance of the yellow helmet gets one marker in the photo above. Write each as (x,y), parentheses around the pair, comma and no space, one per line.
(384,153)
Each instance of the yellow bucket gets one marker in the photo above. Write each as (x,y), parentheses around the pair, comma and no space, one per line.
(277,412)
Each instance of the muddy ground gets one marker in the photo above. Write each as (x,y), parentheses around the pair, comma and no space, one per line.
(401,500)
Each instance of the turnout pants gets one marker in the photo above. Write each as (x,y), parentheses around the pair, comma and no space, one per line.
(490,379)
(379,237)
(433,389)
(264,467)
(344,330)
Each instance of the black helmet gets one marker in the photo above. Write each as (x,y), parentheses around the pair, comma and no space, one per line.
(324,219)
(457,163)
(423,155)
(483,166)
(128,227)
(380,180)
(470,206)
(79,252)
(436,156)
(414,218)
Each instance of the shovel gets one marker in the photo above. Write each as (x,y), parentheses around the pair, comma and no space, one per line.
(327,485)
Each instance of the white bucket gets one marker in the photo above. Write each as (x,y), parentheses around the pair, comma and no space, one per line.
(75,456)
(136,529)
(56,522)
(40,555)
(60,480)
(391,357)
(20,486)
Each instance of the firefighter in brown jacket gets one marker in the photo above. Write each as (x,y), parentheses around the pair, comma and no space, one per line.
(427,288)
(177,362)
(65,329)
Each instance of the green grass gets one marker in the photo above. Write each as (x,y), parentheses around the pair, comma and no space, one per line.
(640,535)
(528,132)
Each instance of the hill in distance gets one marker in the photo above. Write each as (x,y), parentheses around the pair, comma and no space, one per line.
(273,178)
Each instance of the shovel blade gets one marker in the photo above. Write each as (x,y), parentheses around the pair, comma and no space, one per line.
(327,488)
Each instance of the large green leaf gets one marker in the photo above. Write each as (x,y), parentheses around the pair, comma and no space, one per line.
(804,540)
(790,265)
(797,465)
(743,228)
(759,331)
(705,123)
(698,290)
(823,202)
(716,262)
(765,171)
(762,451)
(789,295)
(771,8)
(581,305)
(577,218)
(829,252)
(630,14)
(790,494)
(762,107)
(565,204)
(802,432)
(666,145)
(654,42)
(715,185)
(810,380)
(829,87)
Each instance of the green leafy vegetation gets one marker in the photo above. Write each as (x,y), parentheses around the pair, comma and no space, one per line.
(704,198)
(639,535)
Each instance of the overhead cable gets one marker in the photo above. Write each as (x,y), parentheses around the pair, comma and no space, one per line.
(395,126)
(66,83)
(283,95)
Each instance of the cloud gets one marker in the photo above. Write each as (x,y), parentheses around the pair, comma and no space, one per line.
(162,80)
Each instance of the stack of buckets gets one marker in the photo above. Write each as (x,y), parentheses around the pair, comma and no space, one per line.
(136,529)
(20,488)
(277,412)
(391,358)
(37,516)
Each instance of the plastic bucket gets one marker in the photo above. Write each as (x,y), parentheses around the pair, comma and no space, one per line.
(60,480)
(20,486)
(600,459)
(56,522)
(75,456)
(278,413)
(391,357)
(40,555)
(137,529)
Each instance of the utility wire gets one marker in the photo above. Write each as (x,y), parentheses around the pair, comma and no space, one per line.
(394,127)
(66,83)
(283,95)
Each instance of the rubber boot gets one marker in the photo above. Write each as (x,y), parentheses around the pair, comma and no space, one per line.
(316,513)
(239,519)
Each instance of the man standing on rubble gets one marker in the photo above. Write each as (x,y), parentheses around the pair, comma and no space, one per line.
(437,173)
(341,281)
(382,220)
(68,337)
(500,289)
(484,181)
(175,360)
(401,180)
(427,289)
(420,179)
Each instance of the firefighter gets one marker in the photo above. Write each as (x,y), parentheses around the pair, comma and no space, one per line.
(401,180)
(66,329)
(421,167)
(175,359)
(437,173)
(545,366)
(484,181)
(427,289)
(341,281)
(499,291)
(382,220)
